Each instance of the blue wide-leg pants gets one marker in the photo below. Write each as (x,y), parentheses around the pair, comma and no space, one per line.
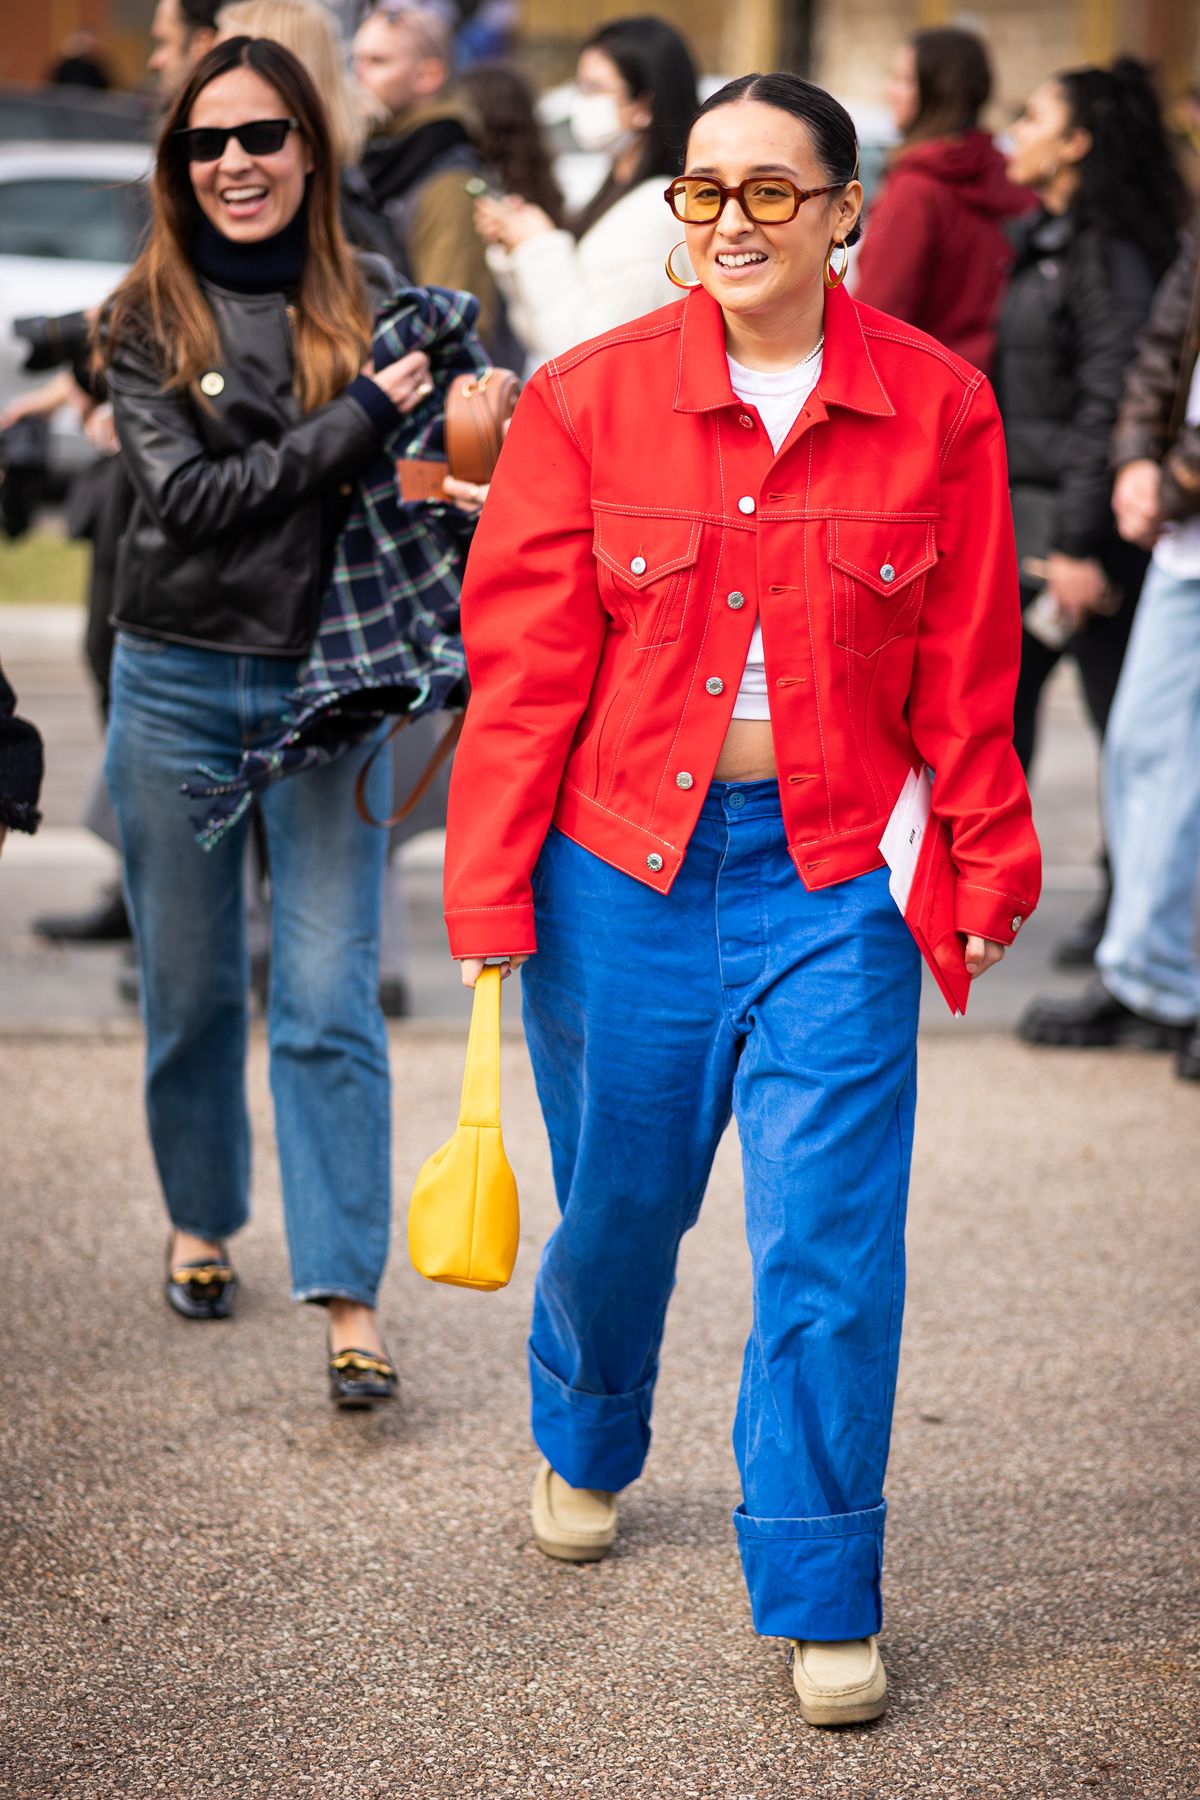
(651,1019)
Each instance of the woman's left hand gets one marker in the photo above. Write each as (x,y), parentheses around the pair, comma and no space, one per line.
(468,496)
(1078,584)
(405,382)
(982,954)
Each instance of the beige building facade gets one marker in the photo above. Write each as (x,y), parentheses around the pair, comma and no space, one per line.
(846,45)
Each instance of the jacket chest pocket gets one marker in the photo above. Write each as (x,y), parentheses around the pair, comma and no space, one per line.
(877,569)
(645,568)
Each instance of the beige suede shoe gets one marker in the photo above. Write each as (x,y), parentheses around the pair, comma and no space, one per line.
(839,1684)
(573,1524)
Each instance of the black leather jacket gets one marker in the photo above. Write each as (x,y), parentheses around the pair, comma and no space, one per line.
(237,495)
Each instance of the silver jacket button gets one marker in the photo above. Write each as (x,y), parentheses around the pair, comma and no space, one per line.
(684,780)
(736,600)
(654,862)
(638,565)
(1017,921)
(887,573)
(746,504)
(212,384)
(715,685)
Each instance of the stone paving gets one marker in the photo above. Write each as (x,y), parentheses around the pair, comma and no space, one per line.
(211,1583)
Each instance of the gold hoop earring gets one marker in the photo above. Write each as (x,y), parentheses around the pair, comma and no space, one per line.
(830,279)
(687,286)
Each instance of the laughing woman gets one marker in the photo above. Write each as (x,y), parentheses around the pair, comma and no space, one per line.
(235,351)
(763,569)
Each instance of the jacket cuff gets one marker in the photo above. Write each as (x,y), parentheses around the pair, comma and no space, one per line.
(492,930)
(989,912)
(375,403)
(1134,443)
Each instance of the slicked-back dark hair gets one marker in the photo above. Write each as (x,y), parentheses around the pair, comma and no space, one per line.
(829,125)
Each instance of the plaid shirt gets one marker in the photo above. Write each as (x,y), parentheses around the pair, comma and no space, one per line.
(388,638)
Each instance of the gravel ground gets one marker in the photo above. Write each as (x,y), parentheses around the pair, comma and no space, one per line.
(210,1583)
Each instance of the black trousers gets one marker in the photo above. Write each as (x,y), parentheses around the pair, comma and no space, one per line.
(1098,650)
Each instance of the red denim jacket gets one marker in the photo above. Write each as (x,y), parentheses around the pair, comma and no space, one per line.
(640,522)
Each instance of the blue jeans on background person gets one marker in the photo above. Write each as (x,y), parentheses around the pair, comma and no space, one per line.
(1148,956)
(650,1020)
(175,710)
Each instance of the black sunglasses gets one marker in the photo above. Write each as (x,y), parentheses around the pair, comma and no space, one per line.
(766,199)
(259,137)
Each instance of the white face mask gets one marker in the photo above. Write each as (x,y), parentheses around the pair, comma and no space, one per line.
(596,125)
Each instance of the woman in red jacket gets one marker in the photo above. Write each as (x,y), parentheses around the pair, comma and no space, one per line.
(935,251)
(746,563)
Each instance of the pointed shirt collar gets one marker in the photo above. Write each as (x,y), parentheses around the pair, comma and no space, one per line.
(848,375)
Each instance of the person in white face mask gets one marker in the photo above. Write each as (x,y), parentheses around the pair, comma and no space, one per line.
(635,99)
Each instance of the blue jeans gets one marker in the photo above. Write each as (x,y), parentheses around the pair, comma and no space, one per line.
(650,1019)
(1148,956)
(173,710)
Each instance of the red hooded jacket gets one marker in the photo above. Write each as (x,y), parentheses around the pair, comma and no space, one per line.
(639,523)
(935,250)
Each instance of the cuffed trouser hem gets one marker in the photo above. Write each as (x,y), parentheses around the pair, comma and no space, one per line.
(814,1578)
(321,1296)
(1145,997)
(591,1440)
(205,1228)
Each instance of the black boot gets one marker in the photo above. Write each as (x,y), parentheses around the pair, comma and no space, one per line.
(106,923)
(1096,1019)
(1187,1064)
(1077,950)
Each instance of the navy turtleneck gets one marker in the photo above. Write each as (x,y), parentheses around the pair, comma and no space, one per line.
(271,266)
(267,266)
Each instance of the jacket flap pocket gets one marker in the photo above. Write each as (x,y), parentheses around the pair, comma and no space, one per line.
(642,550)
(885,554)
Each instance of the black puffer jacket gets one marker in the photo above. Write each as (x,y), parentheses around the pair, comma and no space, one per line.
(237,495)
(1075,303)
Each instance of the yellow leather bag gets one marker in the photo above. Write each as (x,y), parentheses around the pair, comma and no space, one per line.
(463,1222)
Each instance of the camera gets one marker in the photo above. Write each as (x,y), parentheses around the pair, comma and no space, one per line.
(53,341)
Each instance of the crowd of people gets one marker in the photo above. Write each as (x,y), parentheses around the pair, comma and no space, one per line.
(745,565)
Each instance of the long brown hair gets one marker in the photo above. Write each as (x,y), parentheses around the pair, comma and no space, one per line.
(954,82)
(161,292)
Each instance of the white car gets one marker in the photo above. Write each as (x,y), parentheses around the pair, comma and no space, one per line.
(71,218)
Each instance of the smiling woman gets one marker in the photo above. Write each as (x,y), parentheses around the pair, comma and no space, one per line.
(746,565)
(237,359)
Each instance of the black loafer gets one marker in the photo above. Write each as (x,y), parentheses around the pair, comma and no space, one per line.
(357,1379)
(1097,1020)
(203,1289)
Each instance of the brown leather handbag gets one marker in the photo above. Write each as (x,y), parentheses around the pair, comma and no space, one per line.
(478,407)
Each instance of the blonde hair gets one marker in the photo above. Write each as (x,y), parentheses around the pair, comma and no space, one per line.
(309,30)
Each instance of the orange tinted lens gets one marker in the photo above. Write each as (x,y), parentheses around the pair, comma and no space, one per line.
(697,202)
(769,201)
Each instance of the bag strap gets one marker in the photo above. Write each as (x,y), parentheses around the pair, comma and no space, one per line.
(480,1104)
(424,781)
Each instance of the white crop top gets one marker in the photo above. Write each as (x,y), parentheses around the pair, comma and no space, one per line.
(778,396)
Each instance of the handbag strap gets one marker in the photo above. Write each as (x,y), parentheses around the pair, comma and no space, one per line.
(480,1103)
(423,783)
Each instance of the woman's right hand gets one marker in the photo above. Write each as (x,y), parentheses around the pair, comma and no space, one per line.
(405,382)
(1136,502)
(473,966)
